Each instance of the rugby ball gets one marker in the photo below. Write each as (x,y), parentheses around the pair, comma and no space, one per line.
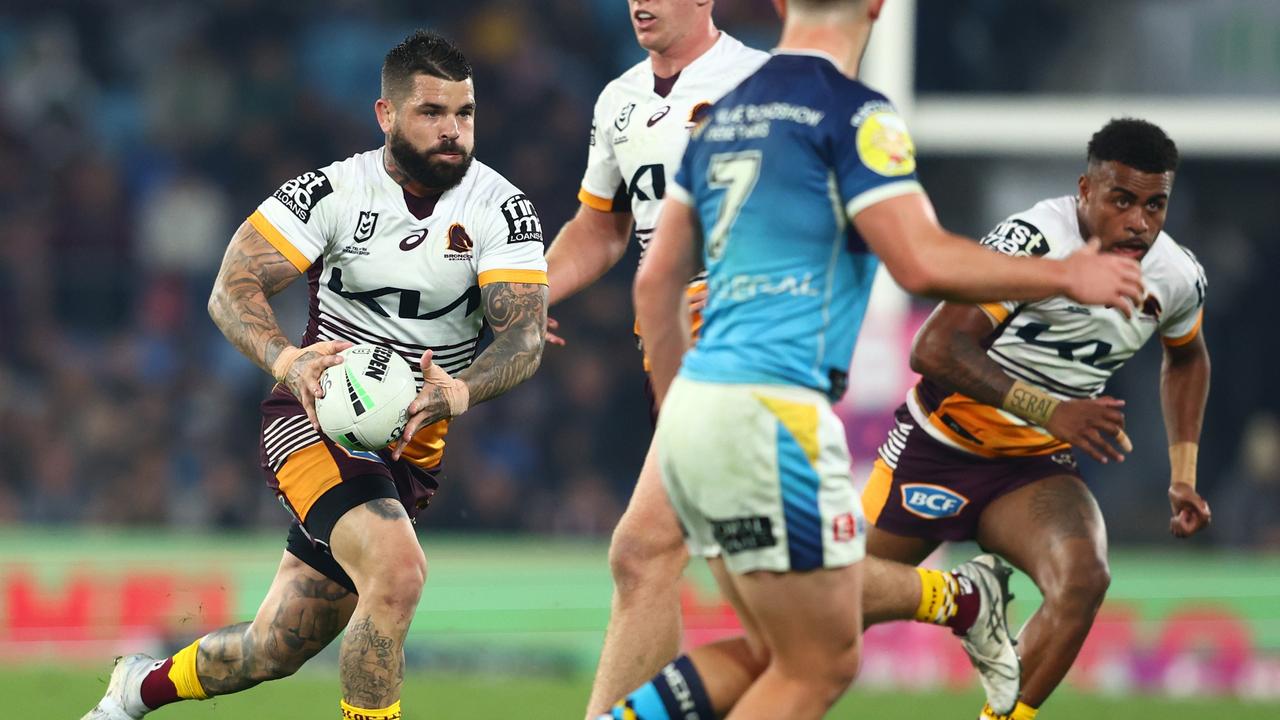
(366,398)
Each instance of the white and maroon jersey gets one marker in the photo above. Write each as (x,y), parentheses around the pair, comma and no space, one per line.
(1064,348)
(378,273)
(638,133)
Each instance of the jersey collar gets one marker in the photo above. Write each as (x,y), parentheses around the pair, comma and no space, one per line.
(692,68)
(806,53)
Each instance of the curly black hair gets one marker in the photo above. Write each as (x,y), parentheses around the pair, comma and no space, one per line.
(1137,143)
(422,52)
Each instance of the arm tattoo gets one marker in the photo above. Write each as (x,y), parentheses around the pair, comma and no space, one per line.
(517,312)
(971,372)
(252,271)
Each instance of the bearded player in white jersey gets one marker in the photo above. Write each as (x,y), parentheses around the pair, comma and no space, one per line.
(639,132)
(412,246)
(983,446)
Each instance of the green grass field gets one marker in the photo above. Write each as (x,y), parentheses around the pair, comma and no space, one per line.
(314,696)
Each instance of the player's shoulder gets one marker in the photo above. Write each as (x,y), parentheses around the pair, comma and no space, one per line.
(1173,262)
(303,194)
(492,194)
(1050,228)
(490,187)
(354,171)
(634,82)
(732,54)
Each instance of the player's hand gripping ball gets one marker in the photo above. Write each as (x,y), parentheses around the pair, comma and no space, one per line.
(366,398)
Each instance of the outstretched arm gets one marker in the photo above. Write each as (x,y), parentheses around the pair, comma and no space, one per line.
(517,314)
(925,259)
(948,350)
(1184,391)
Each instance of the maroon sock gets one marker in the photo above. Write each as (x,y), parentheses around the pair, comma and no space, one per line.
(968,602)
(157,688)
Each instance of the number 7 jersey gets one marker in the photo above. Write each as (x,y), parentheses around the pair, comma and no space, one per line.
(1067,349)
(776,174)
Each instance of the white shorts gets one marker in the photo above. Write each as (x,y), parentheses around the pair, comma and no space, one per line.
(760,474)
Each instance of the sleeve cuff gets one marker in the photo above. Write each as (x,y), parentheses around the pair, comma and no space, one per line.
(593,201)
(877,194)
(532,277)
(1186,338)
(996,311)
(279,241)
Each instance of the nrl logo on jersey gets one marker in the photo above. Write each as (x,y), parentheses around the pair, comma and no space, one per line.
(523,224)
(624,117)
(365,226)
(301,194)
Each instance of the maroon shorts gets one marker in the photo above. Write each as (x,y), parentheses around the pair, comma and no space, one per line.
(318,480)
(923,488)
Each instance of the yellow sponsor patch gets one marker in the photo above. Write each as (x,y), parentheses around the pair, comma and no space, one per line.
(884,145)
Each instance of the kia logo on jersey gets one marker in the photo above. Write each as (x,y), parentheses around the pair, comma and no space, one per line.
(932,502)
(654,118)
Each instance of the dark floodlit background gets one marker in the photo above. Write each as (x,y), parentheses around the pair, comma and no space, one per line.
(136,136)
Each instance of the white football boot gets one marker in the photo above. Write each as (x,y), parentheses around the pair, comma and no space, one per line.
(123,700)
(988,642)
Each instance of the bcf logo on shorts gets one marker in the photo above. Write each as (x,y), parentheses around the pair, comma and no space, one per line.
(932,502)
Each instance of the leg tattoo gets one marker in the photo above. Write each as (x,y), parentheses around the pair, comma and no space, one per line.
(371,664)
(240,656)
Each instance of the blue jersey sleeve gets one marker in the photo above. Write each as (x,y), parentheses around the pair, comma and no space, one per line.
(875,158)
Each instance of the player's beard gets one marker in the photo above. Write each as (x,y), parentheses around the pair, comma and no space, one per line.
(420,168)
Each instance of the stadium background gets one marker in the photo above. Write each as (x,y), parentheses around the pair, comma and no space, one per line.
(134,137)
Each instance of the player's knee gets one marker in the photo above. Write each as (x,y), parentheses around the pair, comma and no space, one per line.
(844,669)
(396,581)
(827,677)
(1082,586)
(639,556)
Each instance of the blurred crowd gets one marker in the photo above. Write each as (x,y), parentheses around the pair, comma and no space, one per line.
(136,136)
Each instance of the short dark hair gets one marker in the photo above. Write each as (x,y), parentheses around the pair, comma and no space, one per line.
(422,52)
(1137,143)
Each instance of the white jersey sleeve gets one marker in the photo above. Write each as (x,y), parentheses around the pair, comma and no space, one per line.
(510,247)
(1180,323)
(603,188)
(296,220)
